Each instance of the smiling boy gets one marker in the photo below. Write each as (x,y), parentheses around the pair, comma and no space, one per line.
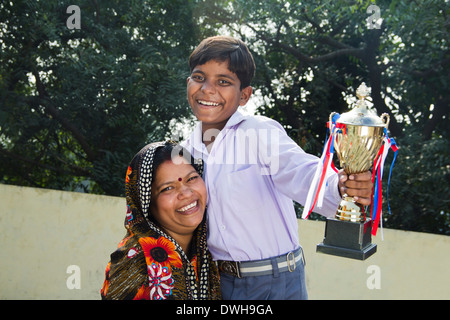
(253,172)
(214,93)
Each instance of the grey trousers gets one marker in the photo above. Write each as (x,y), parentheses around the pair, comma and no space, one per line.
(277,286)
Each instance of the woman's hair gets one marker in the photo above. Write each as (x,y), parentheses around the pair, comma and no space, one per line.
(172,151)
(225,48)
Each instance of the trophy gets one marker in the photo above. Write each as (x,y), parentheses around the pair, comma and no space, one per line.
(358,138)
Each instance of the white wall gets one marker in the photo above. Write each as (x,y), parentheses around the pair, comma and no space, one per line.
(43,232)
(410,265)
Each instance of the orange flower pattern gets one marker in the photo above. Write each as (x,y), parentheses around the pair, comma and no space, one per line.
(127,177)
(160,251)
(105,287)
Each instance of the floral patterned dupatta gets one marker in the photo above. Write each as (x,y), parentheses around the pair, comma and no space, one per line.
(149,264)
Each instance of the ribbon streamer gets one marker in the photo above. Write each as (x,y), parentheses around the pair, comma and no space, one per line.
(326,161)
(377,176)
(316,191)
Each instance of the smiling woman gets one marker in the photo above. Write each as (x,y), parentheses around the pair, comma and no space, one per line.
(163,254)
(178,198)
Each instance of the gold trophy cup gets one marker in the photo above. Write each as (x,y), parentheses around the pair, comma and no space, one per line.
(357,143)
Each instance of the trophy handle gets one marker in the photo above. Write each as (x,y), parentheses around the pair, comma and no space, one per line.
(334,137)
(331,117)
(386,118)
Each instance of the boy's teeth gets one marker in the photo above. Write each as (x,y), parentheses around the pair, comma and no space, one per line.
(208,103)
(189,206)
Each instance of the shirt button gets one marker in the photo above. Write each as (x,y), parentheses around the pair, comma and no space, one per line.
(222,227)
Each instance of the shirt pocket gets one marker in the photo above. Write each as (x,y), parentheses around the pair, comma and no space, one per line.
(247,189)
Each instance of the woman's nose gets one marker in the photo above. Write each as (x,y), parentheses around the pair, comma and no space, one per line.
(185,192)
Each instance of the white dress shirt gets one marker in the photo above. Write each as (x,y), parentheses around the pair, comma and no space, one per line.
(253,172)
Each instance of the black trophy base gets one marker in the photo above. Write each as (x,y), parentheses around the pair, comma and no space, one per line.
(348,239)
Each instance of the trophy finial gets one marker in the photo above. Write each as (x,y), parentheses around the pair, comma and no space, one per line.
(360,113)
(363,91)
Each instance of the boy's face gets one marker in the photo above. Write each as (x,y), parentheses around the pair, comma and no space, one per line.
(214,94)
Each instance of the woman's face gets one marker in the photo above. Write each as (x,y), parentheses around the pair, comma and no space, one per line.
(178,197)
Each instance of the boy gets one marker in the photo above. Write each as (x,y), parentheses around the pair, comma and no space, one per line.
(253,171)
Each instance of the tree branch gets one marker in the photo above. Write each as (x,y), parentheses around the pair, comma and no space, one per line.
(420,73)
(52,111)
(76,171)
(440,110)
(375,79)
(307,59)
(97,11)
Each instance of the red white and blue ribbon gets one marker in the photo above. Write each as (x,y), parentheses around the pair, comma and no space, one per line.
(377,176)
(316,190)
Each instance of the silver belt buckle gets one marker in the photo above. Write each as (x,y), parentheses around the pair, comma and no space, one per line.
(290,258)
(231,267)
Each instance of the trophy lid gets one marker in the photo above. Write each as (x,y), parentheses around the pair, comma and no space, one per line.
(361,115)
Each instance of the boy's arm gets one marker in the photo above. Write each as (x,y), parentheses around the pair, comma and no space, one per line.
(292,171)
(290,168)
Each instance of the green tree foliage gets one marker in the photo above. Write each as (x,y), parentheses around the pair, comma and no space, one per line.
(311,57)
(77,104)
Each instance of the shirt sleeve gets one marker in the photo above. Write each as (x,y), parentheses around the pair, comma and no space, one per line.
(291,168)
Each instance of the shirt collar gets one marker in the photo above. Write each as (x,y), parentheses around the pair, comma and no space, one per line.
(196,140)
(236,118)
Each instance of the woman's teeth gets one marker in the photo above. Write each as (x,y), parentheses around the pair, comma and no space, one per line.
(189,206)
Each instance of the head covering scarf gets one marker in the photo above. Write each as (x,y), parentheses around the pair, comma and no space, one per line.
(148,263)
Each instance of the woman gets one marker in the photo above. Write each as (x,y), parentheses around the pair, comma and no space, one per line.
(164,253)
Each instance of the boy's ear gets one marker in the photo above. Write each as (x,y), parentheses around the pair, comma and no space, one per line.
(245,95)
